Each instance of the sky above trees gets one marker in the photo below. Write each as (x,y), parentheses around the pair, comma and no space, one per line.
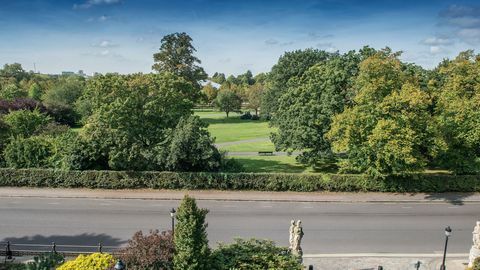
(230,36)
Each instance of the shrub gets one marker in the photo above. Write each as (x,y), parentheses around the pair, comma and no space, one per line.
(476,264)
(25,123)
(95,261)
(246,116)
(46,261)
(149,252)
(191,243)
(20,104)
(254,254)
(239,181)
(32,152)
(255,117)
(191,148)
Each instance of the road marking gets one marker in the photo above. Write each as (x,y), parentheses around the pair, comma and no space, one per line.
(389,255)
(53,203)
(267,206)
(406,207)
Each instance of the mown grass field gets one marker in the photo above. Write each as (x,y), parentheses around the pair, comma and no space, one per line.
(232,135)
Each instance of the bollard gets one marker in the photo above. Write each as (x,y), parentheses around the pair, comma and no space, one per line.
(310,267)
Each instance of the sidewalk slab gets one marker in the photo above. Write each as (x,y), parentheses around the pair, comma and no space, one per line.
(333,197)
(388,263)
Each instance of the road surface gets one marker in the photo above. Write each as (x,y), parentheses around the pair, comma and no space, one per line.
(328,227)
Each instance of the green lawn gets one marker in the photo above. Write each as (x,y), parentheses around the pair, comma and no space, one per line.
(278,164)
(249,147)
(233,128)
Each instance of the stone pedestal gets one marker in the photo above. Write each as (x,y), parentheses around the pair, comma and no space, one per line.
(474,253)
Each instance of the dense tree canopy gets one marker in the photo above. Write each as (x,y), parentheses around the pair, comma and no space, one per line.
(305,109)
(132,114)
(386,129)
(176,56)
(457,113)
(290,65)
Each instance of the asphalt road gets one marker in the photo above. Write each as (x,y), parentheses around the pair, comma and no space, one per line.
(328,227)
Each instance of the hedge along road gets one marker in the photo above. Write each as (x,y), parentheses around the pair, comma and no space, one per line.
(329,227)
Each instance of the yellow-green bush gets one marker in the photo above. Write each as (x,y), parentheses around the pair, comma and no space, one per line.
(95,261)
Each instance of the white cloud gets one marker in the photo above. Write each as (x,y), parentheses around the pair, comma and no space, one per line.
(105,52)
(435,49)
(102,18)
(436,41)
(104,44)
(90,3)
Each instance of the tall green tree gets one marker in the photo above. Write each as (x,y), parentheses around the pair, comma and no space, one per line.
(457,114)
(255,95)
(14,70)
(386,130)
(24,123)
(228,101)
(307,106)
(176,56)
(290,65)
(132,115)
(191,243)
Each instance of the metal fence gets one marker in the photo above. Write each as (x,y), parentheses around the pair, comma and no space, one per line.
(11,251)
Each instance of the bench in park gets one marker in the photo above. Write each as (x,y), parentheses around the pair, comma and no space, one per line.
(265,153)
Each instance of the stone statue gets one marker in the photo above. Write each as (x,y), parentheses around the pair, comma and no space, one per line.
(475,250)
(292,233)
(297,239)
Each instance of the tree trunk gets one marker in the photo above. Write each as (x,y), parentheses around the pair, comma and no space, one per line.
(227,113)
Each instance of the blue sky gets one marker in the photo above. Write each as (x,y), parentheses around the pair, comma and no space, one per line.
(230,36)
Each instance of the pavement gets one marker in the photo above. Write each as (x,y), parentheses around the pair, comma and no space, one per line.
(220,195)
(342,230)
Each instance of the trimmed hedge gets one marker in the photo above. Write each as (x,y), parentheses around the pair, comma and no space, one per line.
(237,181)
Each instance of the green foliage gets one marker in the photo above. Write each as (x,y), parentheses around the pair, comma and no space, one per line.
(31,152)
(458,115)
(14,70)
(176,57)
(255,95)
(95,261)
(35,92)
(48,261)
(228,101)
(131,116)
(149,252)
(218,78)
(476,264)
(254,254)
(25,123)
(191,148)
(209,92)
(290,65)
(191,243)
(11,92)
(307,106)
(65,91)
(386,130)
(60,99)
(414,182)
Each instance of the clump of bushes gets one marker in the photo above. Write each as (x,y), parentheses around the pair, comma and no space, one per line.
(253,254)
(239,181)
(149,252)
(95,261)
